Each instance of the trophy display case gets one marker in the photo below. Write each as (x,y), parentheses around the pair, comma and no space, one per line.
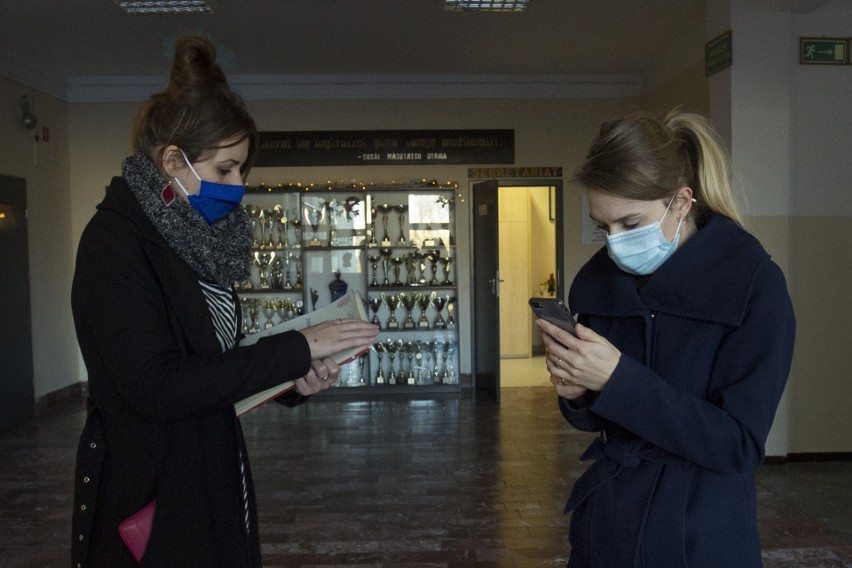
(394,245)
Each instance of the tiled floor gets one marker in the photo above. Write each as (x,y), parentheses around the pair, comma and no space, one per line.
(451,481)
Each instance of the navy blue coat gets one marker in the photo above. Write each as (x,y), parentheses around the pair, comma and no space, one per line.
(706,343)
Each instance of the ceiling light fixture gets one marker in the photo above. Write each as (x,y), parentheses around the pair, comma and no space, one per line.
(165,7)
(486,5)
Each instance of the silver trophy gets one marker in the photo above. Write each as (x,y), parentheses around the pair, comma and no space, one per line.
(375,303)
(385,210)
(252,213)
(372,242)
(397,265)
(402,376)
(254,312)
(297,262)
(314,217)
(424,301)
(268,310)
(332,207)
(294,219)
(411,269)
(408,302)
(244,308)
(421,266)
(270,221)
(409,351)
(439,302)
(392,302)
(447,262)
(287,283)
(418,361)
(379,348)
(433,256)
(434,352)
(449,375)
(374,265)
(385,254)
(451,303)
(402,210)
(352,373)
(283,239)
(277,271)
(392,346)
(262,260)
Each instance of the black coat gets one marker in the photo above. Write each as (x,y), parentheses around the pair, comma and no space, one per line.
(161,423)
(706,343)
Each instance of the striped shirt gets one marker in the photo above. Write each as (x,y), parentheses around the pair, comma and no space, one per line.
(223,311)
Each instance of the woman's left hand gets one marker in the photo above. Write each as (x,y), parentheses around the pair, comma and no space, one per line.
(323,374)
(587,360)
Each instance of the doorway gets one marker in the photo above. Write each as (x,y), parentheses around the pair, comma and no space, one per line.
(17,399)
(527,245)
(524,218)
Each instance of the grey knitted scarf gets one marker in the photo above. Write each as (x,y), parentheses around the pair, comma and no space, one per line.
(219,253)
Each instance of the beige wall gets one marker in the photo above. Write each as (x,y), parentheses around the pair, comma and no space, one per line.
(820,388)
(44,166)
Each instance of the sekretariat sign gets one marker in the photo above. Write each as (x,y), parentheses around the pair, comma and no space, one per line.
(385,147)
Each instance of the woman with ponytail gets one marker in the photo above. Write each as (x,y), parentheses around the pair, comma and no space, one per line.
(157,322)
(679,359)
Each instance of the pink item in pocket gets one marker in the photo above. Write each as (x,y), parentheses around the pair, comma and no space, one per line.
(136,529)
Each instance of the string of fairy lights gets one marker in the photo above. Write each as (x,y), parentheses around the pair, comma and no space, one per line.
(298,186)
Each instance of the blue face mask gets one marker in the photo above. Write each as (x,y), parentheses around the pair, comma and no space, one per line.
(643,250)
(213,200)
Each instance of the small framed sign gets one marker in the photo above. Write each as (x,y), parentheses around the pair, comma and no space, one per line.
(823,51)
(718,53)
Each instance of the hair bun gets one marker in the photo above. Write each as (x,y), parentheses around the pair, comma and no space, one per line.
(195,71)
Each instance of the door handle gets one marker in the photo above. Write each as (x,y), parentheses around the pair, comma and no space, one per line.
(495,285)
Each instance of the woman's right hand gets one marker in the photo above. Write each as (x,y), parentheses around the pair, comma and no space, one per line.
(330,337)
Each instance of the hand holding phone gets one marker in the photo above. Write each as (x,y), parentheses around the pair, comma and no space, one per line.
(553,310)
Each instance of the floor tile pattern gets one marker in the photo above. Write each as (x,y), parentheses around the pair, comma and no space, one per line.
(441,482)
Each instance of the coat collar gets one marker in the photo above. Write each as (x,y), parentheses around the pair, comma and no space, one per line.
(179,282)
(709,278)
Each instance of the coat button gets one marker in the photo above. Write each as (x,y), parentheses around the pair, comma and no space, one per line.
(81,538)
(82,507)
(93,445)
(86,479)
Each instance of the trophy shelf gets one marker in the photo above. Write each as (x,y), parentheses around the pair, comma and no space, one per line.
(393,245)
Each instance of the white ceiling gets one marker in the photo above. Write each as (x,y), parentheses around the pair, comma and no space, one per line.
(57,44)
(67,46)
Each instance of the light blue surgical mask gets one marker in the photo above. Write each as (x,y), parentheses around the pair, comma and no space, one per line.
(642,250)
(213,200)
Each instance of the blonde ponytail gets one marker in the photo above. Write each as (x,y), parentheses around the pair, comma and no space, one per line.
(711,163)
(638,157)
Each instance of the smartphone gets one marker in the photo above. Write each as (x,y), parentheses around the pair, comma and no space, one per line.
(555,311)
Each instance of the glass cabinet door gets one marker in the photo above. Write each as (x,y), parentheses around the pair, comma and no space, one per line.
(394,245)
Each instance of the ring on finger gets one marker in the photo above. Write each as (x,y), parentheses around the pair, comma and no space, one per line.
(564,382)
(324,378)
(559,362)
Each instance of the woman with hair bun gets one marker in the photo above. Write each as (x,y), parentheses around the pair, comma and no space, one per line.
(681,354)
(157,322)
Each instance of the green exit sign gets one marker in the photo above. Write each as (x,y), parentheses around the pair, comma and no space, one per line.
(823,50)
